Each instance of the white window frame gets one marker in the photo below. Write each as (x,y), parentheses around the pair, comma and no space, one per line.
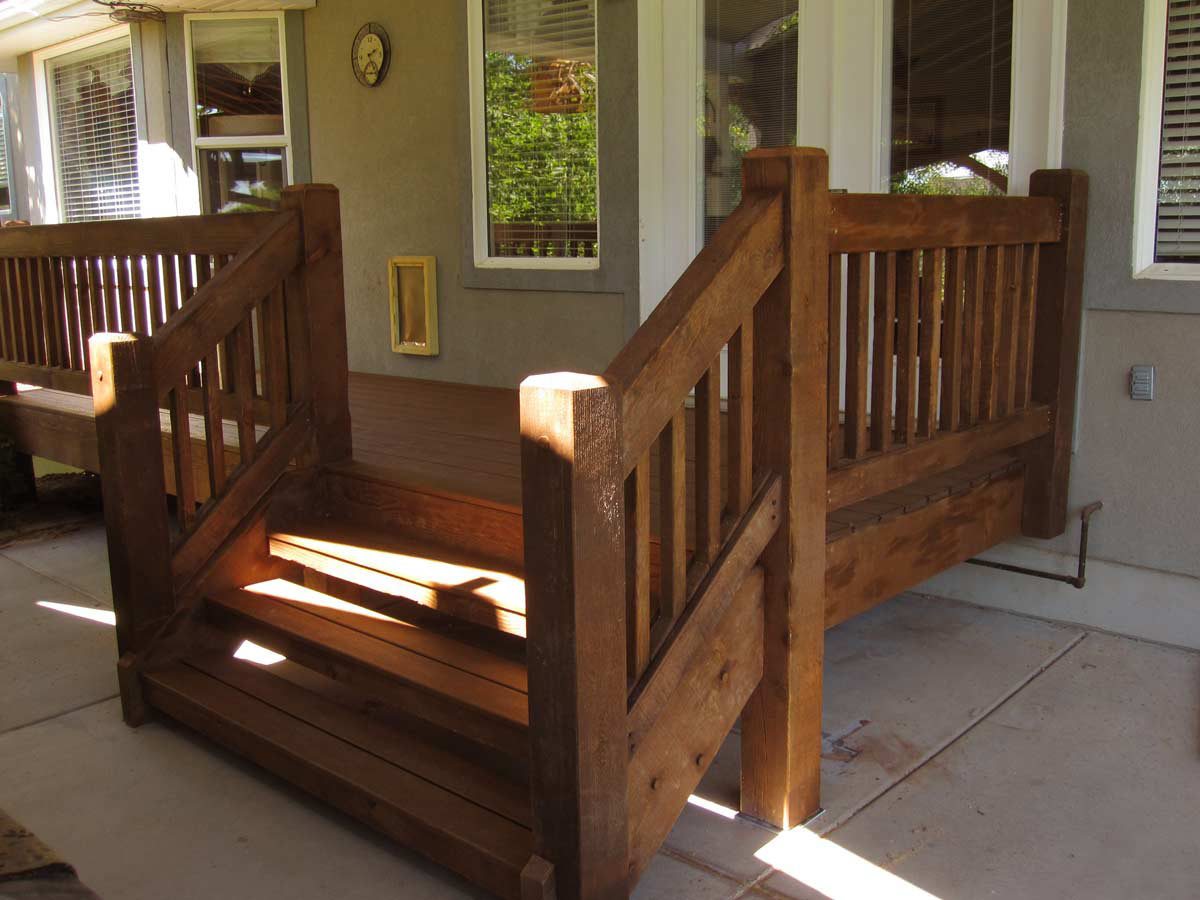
(1145,194)
(479,192)
(6,116)
(51,187)
(242,142)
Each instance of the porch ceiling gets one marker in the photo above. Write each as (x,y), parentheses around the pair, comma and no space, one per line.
(27,25)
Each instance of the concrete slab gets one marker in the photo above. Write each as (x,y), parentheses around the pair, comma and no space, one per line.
(1083,785)
(53,659)
(670,879)
(78,558)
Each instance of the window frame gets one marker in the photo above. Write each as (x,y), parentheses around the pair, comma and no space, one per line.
(240,142)
(1149,153)
(52,212)
(479,192)
(6,96)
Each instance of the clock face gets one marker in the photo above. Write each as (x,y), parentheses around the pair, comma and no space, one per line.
(369,55)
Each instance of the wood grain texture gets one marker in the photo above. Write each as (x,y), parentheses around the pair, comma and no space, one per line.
(858,317)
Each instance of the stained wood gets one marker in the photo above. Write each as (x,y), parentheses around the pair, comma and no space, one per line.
(973,316)
(952,340)
(637,569)
(1025,330)
(908,310)
(836,442)
(932,275)
(993,325)
(673,523)
(213,234)
(243,380)
(181,447)
(708,465)
(741,418)
(883,365)
(858,317)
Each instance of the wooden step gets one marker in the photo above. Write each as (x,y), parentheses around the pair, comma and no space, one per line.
(459,688)
(385,572)
(456,813)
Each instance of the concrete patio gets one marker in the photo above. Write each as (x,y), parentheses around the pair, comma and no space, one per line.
(969,753)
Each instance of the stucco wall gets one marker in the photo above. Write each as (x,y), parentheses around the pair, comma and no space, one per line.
(399,154)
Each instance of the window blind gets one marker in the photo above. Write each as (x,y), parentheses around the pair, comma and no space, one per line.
(5,177)
(95,133)
(540,90)
(1178,229)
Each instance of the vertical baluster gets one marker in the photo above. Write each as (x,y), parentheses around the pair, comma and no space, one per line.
(112,297)
(244,390)
(834,377)
(56,307)
(993,307)
(973,316)
(882,371)
(125,301)
(154,291)
(181,448)
(637,567)
(908,294)
(1026,332)
(1012,329)
(18,292)
(261,350)
(858,317)
(170,275)
(76,340)
(214,432)
(34,329)
(8,331)
(142,316)
(40,297)
(673,525)
(932,290)
(708,465)
(952,339)
(276,375)
(83,300)
(100,321)
(741,418)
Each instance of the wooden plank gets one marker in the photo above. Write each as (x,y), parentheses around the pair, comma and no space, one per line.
(1025,328)
(666,765)
(871,565)
(878,475)
(243,382)
(637,569)
(708,465)
(181,442)
(672,469)
(227,233)
(1057,334)
(973,316)
(993,319)
(878,222)
(781,726)
(933,273)
(572,472)
(213,426)
(952,340)
(741,418)
(1010,331)
(48,377)
(883,365)
(688,329)
(858,317)
(836,443)
(908,300)
(275,340)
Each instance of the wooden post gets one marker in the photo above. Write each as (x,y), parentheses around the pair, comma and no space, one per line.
(317,319)
(574,521)
(781,725)
(1057,331)
(135,512)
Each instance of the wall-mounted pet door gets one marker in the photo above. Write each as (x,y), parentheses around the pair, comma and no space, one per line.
(413,285)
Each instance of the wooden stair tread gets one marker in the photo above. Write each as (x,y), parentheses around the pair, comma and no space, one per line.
(448,809)
(389,651)
(396,569)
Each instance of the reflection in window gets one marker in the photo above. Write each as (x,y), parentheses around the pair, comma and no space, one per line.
(242,180)
(951,90)
(750,54)
(540,94)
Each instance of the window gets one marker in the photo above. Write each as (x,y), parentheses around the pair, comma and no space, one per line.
(6,195)
(93,132)
(1167,216)
(240,126)
(534,147)
(951,96)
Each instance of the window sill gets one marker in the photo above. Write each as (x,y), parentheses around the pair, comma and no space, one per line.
(542,264)
(1168,272)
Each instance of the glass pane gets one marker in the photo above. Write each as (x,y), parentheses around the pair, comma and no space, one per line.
(1177,236)
(540,117)
(242,180)
(951,90)
(239,86)
(750,53)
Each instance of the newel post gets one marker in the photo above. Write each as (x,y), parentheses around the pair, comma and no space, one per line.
(316,319)
(1057,332)
(130,447)
(781,725)
(573,498)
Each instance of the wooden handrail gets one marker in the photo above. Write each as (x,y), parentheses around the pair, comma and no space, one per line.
(215,309)
(678,342)
(862,223)
(134,237)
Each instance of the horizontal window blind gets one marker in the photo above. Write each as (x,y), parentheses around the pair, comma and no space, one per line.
(1178,229)
(5,174)
(95,133)
(540,93)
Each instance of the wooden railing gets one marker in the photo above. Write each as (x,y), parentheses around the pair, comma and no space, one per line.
(253,360)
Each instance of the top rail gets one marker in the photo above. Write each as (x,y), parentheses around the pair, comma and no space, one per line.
(677,343)
(862,223)
(129,237)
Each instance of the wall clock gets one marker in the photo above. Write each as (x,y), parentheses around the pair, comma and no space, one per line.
(370,54)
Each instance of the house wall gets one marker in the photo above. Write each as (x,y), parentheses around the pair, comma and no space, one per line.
(1137,457)
(400,155)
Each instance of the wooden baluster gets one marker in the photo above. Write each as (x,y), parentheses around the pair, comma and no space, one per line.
(1009,329)
(741,418)
(125,299)
(100,320)
(973,316)
(129,441)
(8,330)
(275,375)
(932,292)
(58,311)
(154,291)
(142,318)
(882,369)
(952,339)
(214,431)
(181,452)
(24,326)
(708,466)
(637,568)
(43,303)
(908,293)
(672,480)
(858,318)
(76,339)
(993,319)
(835,444)
(244,390)
(1026,330)
(88,326)
(170,276)
(112,297)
